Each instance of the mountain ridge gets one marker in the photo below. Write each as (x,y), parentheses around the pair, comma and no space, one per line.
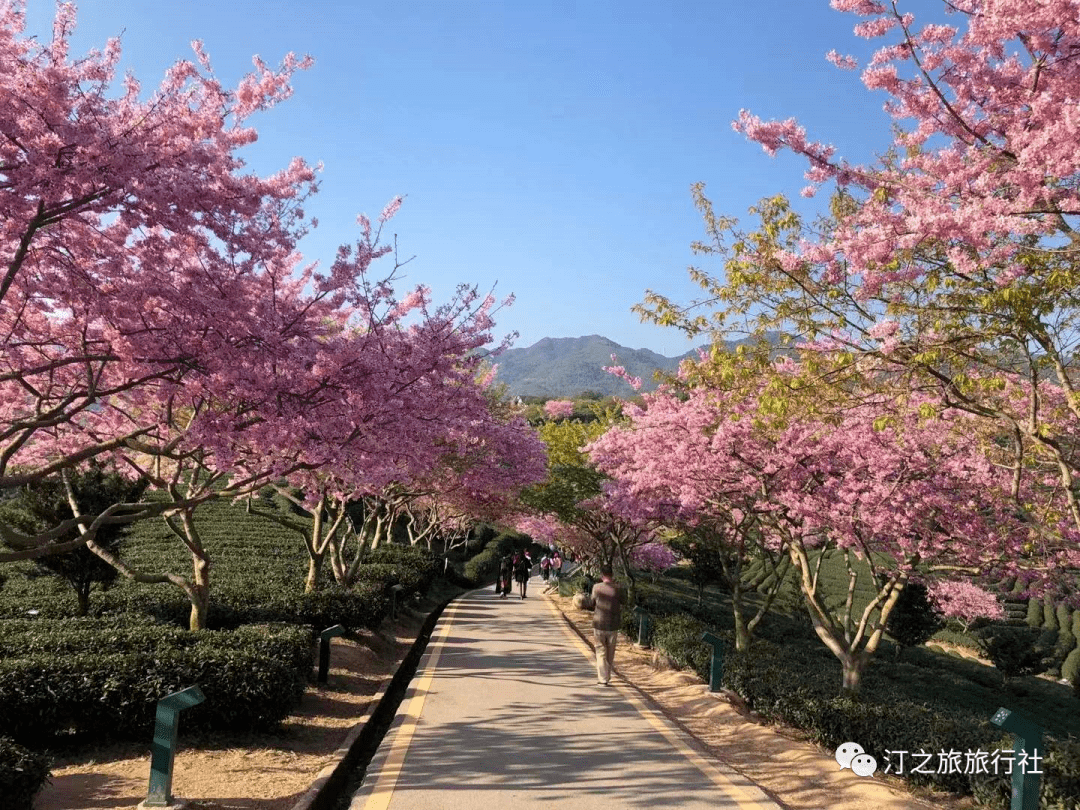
(566,367)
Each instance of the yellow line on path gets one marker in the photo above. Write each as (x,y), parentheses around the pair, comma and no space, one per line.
(383,790)
(748,795)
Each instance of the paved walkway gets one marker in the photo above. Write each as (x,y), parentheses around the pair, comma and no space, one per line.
(505,712)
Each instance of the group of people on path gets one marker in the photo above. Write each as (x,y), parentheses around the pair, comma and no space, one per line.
(605,601)
(518,568)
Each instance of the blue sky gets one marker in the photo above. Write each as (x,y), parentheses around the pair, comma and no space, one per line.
(546,147)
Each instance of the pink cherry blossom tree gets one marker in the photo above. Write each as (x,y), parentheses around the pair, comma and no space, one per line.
(666,457)
(948,264)
(892,488)
(559,408)
(134,241)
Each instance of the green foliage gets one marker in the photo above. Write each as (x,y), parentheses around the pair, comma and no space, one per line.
(928,699)
(914,619)
(1050,621)
(1064,617)
(1070,668)
(1014,650)
(38,508)
(1035,612)
(1061,784)
(479,537)
(484,567)
(410,566)
(456,577)
(706,562)
(679,636)
(22,774)
(252,679)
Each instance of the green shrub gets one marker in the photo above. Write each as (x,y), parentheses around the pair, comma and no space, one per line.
(455,577)
(417,568)
(1035,612)
(1047,641)
(251,678)
(364,605)
(1064,617)
(914,619)
(22,774)
(1050,621)
(1070,667)
(1061,782)
(484,567)
(679,637)
(1013,650)
(383,574)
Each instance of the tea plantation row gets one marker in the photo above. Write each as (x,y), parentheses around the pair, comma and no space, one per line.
(101,676)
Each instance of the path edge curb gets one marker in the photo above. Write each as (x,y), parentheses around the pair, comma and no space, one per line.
(329,781)
(698,745)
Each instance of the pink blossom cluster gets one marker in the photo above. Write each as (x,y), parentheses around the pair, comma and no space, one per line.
(984,162)
(653,557)
(964,600)
(917,490)
(153,307)
(559,408)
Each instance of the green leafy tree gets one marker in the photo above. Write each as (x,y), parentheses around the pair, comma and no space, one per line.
(573,492)
(914,618)
(45,504)
(707,564)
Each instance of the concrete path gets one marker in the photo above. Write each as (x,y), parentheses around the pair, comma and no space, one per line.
(505,712)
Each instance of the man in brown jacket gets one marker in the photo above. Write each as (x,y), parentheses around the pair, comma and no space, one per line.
(607,602)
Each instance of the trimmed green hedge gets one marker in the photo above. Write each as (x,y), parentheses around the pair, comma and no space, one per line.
(22,774)
(414,568)
(252,678)
(484,567)
(785,685)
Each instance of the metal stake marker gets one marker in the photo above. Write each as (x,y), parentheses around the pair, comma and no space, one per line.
(394,590)
(1029,737)
(324,649)
(716,670)
(644,625)
(163,751)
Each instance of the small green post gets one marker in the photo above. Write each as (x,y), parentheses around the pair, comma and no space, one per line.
(394,591)
(163,751)
(1028,737)
(324,649)
(716,670)
(644,626)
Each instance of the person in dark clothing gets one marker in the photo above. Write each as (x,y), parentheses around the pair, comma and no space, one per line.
(522,569)
(505,574)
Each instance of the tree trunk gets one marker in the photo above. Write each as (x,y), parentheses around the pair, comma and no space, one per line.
(742,631)
(83,594)
(314,569)
(200,594)
(853,666)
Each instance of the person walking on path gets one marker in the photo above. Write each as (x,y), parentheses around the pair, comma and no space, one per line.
(545,566)
(607,601)
(505,574)
(522,569)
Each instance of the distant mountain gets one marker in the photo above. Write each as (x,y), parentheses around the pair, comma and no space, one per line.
(564,367)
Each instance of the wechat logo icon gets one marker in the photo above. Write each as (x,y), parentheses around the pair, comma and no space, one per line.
(851,755)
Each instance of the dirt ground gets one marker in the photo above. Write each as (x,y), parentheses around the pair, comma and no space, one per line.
(267,772)
(272,772)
